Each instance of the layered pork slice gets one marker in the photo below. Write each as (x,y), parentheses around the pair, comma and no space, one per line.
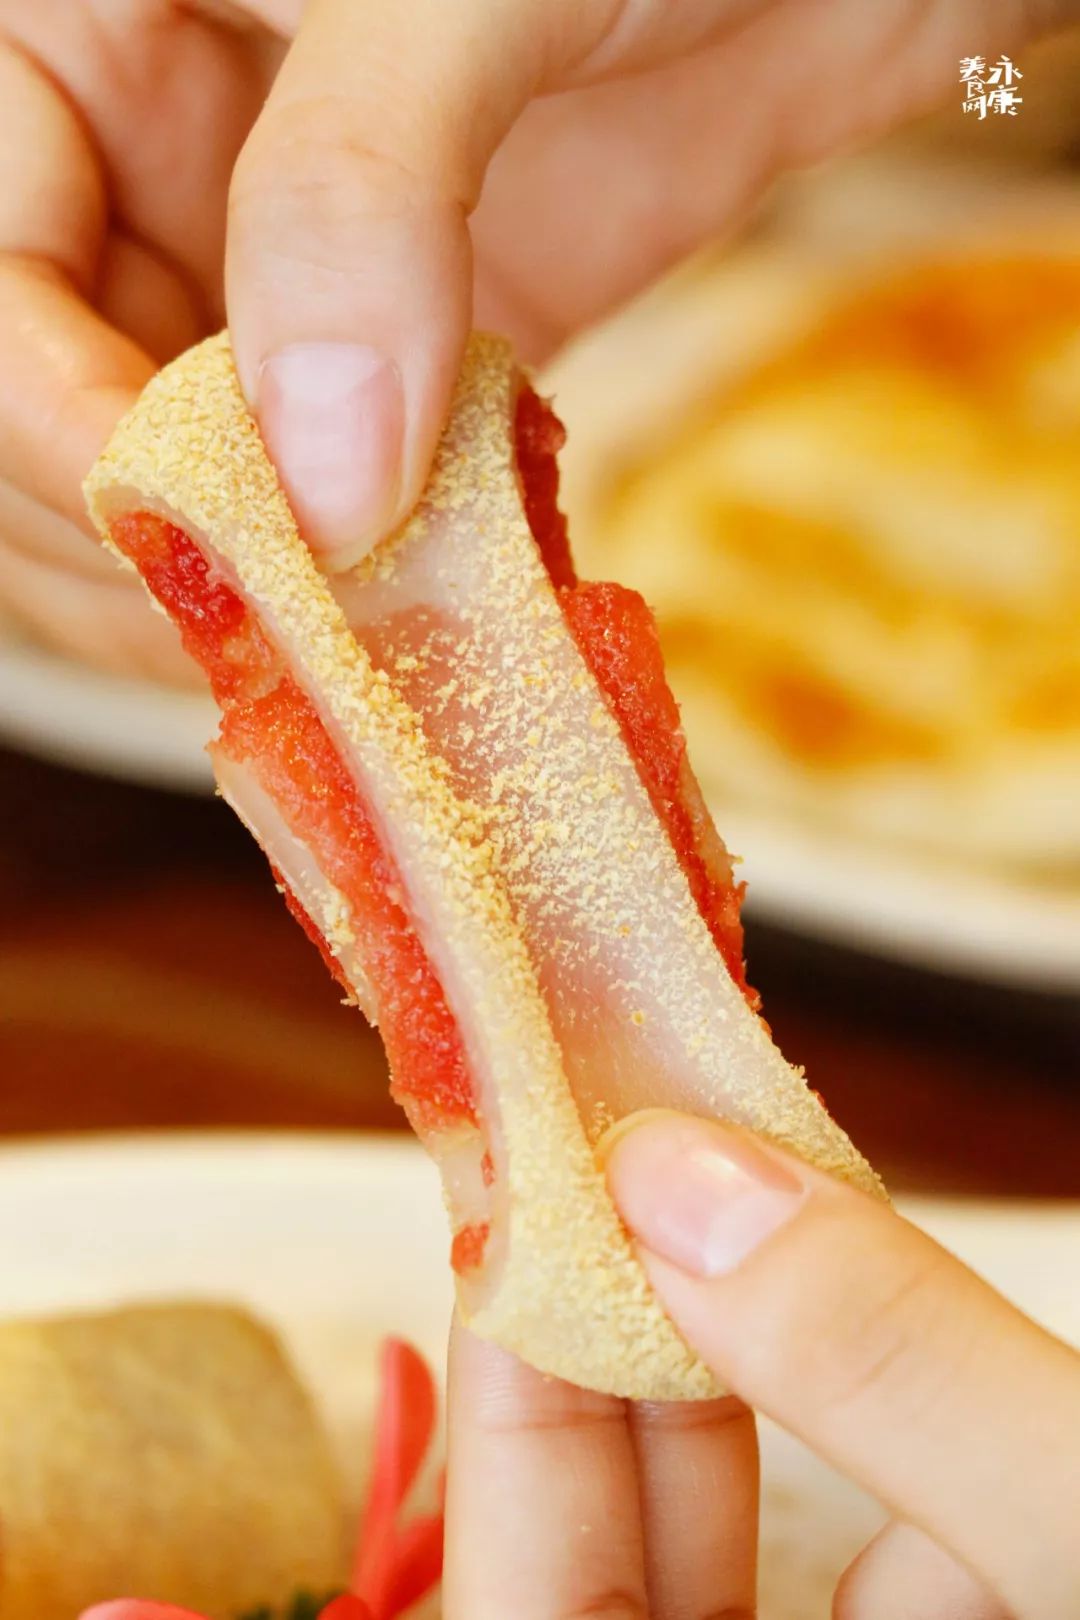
(468,773)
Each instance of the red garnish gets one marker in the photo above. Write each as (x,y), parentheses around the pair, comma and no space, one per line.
(138,1609)
(394,1565)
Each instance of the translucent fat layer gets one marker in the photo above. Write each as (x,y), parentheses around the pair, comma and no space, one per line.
(280,770)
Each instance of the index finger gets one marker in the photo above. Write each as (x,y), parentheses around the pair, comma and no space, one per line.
(564,1503)
(66,374)
(542,1512)
(66,379)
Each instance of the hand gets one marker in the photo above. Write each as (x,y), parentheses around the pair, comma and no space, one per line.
(137,158)
(848,1326)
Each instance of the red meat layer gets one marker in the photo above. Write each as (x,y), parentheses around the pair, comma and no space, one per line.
(269,723)
(616,635)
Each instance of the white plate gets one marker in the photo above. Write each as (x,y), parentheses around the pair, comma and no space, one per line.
(339,1240)
(907,906)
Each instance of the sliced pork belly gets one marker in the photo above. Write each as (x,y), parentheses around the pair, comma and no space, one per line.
(467,772)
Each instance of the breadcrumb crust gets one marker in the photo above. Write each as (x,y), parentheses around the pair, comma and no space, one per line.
(568,1293)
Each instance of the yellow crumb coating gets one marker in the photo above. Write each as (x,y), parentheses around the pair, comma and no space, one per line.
(566,1290)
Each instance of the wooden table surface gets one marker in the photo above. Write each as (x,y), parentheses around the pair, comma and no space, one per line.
(150,977)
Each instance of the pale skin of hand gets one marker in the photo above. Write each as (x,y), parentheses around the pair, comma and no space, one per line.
(144,196)
(824,1309)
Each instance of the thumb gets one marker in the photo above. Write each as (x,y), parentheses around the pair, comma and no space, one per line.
(348,265)
(855,1331)
(348,271)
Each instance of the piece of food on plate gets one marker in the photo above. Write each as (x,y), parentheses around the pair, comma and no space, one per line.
(468,774)
(165,1449)
(397,1560)
(861,539)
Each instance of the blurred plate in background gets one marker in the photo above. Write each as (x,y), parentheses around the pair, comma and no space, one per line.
(129,728)
(899,904)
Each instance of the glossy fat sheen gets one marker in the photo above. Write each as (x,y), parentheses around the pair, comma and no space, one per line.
(642,1006)
(568,1294)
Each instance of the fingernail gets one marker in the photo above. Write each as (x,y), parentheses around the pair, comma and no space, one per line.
(697,1195)
(333,417)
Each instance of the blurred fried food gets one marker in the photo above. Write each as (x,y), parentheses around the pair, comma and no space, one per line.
(862,537)
(163,1451)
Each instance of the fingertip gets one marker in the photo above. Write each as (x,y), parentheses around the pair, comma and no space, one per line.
(351,385)
(696,1194)
(332,416)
